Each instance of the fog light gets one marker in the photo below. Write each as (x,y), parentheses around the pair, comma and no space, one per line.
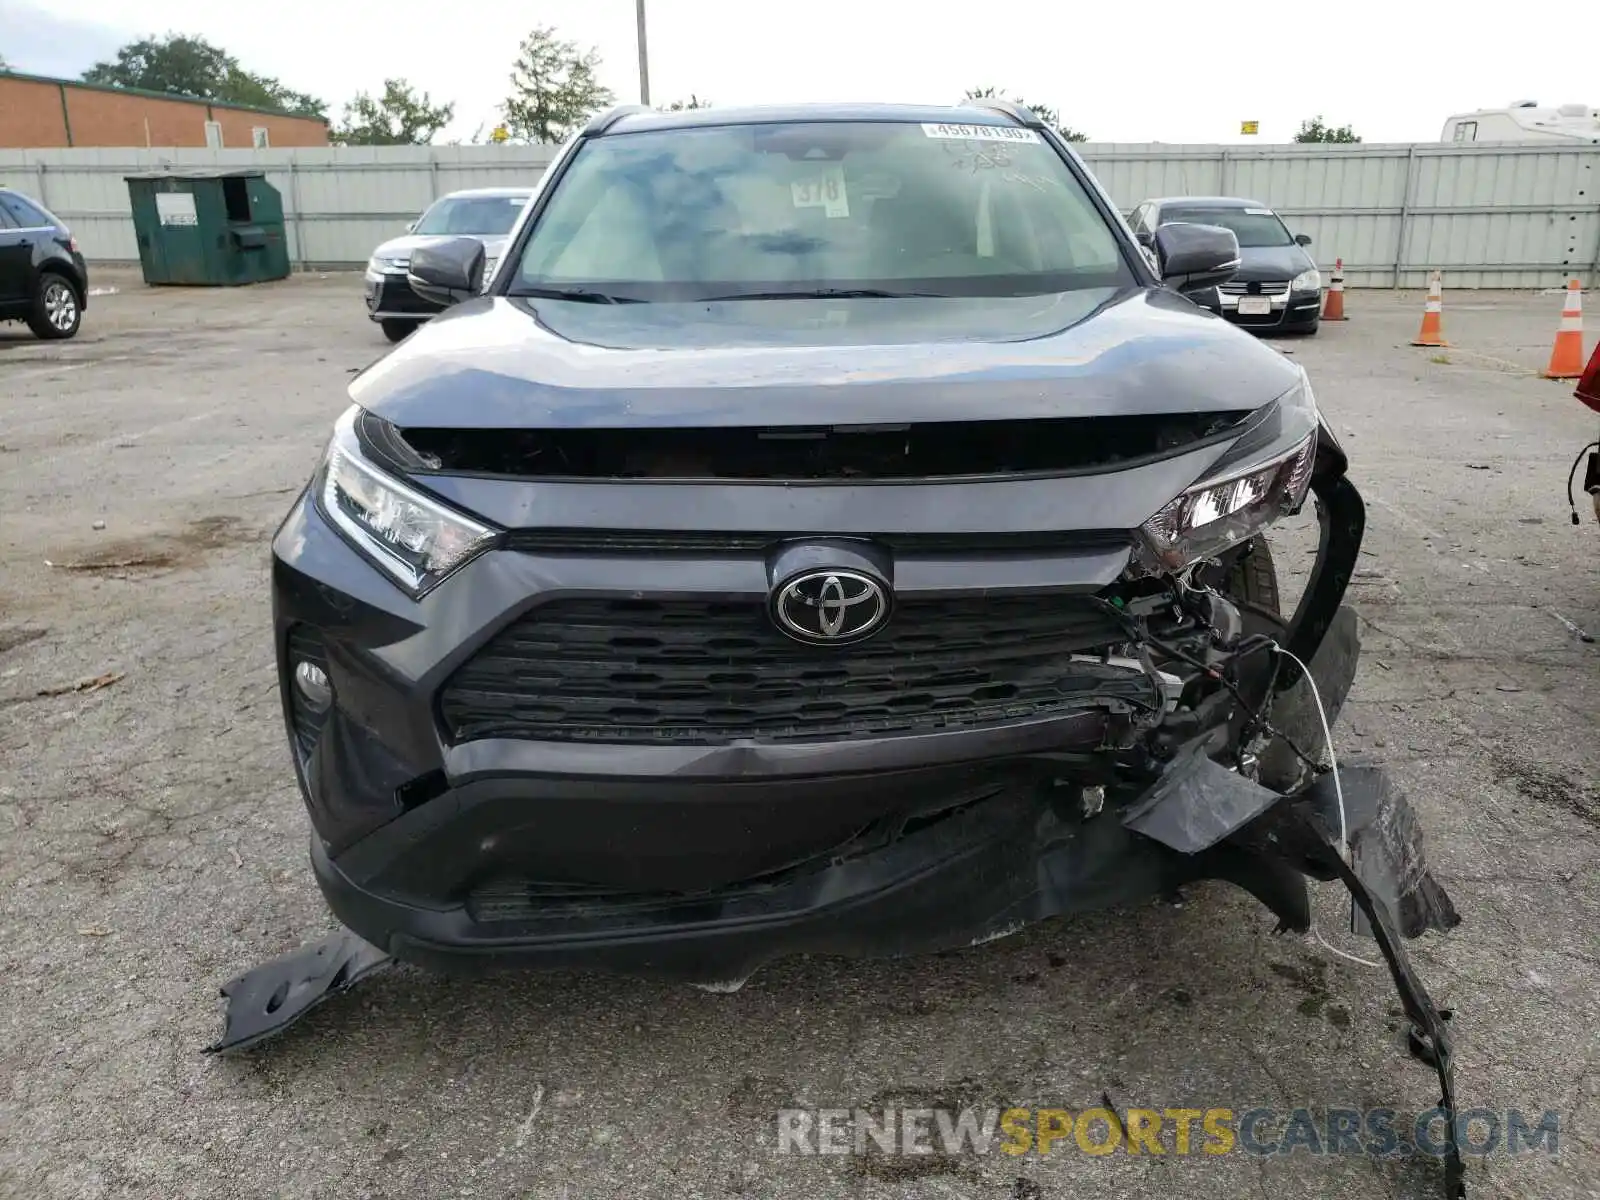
(311,681)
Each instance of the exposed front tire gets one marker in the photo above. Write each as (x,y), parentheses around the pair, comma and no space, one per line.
(397,330)
(1252,577)
(57,307)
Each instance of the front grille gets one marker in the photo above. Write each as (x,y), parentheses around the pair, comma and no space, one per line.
(1235,287)
(692,541)
(706,673)
(1275,317)
(847,453)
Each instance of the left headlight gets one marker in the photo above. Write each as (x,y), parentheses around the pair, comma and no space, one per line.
(1210,517)
(413,538)
(1307,281)
(1223,511)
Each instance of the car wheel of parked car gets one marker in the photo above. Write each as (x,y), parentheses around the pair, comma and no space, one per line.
(397,330)
(57,311)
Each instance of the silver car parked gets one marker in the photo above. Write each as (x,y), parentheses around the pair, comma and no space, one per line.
(484,213)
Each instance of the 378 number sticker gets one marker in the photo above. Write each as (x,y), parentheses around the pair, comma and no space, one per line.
(822,189)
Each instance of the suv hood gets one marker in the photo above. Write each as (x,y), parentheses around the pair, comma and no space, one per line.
(401,247)
(499,362)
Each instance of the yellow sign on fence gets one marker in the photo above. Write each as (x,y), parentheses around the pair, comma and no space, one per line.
(1249,126)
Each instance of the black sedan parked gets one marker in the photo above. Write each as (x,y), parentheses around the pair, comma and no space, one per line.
(1277,285)
(43,278)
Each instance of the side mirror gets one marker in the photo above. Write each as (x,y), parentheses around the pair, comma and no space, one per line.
(411,226)
(1302,239)
(1191,257)
(447,271)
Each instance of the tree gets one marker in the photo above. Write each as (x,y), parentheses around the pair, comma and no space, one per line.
(399,117)
(692,102)
(1043,111)
(192,66)
(1314,130)
(554,88)
(260,91)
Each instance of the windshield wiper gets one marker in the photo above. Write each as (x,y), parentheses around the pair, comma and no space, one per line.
(829,294)
(584,295)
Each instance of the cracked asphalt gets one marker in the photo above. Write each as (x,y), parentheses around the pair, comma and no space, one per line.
(154,844)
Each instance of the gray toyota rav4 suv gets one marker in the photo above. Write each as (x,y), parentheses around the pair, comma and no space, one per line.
(829,533)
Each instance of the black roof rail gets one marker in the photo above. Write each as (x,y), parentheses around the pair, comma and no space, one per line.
(1022,116)
(604,121)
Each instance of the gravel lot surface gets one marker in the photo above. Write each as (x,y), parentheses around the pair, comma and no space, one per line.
(154,844)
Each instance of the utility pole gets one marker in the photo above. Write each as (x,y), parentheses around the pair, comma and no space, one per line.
(644,57)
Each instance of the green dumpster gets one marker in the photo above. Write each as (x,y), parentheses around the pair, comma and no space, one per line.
(215,228)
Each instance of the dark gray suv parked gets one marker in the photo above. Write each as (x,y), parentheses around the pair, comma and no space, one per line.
(828,534)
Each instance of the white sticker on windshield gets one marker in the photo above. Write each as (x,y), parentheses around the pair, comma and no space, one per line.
(822,189)
(1259,212)
(981,133)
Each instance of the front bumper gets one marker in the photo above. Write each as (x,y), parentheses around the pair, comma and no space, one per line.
(389,297)
(977,873)
(1287,311)
(692,861)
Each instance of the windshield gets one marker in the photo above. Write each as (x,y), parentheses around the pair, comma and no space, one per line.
(772,211)
(485,215)
(1252,226)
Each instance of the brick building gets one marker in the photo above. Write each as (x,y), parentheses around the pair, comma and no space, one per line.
(36,112)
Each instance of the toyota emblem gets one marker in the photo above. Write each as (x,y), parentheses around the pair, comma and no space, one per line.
(830,608)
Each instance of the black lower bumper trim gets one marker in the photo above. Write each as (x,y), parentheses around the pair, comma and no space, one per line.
(963,878)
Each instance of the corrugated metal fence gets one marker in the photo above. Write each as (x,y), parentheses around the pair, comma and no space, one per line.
(1488,215)
(1511,216)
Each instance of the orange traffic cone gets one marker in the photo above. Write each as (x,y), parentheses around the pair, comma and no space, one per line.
(1566,358)
(1432,331)
(1333,307)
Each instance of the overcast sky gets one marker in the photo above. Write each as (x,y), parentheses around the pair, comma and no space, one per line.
(1152,71)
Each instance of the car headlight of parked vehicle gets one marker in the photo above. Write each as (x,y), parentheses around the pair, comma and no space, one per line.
(380,264)
(415,539)
(1220,512)
(1308,281)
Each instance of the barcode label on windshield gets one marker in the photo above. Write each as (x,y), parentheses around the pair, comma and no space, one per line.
(981,133)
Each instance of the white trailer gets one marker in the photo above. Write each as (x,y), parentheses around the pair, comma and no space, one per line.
(1525,121)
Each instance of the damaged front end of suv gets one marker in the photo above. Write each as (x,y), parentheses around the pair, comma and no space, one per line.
(670,625)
